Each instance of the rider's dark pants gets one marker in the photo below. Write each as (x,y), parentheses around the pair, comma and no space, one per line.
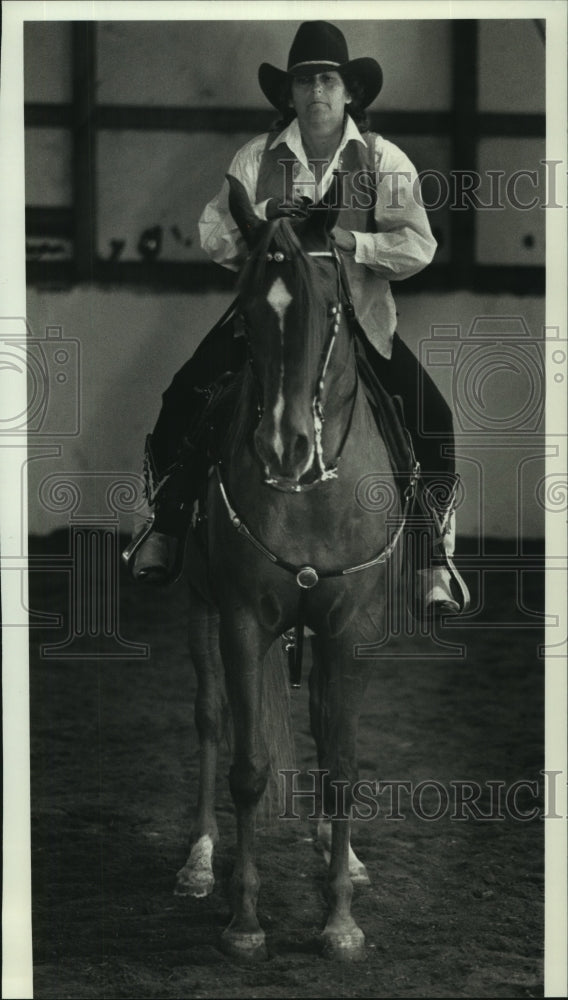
(219,352)
(427,415)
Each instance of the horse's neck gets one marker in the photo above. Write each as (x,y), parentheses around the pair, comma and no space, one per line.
(365,451)
(340,401)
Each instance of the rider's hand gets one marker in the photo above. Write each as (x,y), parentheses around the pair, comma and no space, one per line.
(295,209)
(344,240)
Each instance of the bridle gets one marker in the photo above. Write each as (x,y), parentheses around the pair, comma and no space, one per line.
(324,470)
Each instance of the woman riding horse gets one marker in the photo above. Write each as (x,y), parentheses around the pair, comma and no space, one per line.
(382,234)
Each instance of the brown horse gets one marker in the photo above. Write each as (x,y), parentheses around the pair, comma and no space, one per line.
(285,531)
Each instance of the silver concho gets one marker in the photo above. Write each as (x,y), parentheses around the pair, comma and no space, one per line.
(307,578)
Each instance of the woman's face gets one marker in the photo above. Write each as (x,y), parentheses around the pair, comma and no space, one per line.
(319,101)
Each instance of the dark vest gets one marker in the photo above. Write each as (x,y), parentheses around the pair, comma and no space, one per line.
(357,167)
(374,305)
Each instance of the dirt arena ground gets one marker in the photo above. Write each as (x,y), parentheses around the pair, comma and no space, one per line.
(455,908)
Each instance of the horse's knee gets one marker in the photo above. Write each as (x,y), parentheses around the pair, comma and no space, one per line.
(247,780)
(211,717)
(338,785)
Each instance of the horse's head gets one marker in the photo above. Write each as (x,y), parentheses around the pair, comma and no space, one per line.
(290,300)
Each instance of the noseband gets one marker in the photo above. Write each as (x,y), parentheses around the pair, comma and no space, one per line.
(325,470)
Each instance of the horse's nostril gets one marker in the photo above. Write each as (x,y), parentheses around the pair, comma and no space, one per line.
(284,454)
(301,448)
(263,449)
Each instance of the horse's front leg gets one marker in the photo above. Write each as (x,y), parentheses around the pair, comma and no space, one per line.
(196,877)
(341,693)
(243,647)
(357,870)
(318,694)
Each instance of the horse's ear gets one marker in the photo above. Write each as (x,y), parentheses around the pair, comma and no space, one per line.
(242,210)
(326,212)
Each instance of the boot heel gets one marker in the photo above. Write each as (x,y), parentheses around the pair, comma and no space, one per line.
(160,560)
(136,542)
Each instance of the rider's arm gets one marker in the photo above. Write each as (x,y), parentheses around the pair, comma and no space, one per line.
(218,233)
(403,243)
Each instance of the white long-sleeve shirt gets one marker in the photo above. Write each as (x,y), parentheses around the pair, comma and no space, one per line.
(402,245)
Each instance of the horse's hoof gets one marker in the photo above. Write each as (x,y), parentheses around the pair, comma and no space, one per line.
(347,947)
(359,874)
(196,877)
(244,947)
(190,882)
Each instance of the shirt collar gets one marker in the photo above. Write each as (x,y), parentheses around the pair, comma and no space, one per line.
(292,137)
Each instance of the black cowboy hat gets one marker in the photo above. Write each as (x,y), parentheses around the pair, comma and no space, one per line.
(320,46)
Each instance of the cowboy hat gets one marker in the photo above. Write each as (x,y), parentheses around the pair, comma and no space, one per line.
(320,46)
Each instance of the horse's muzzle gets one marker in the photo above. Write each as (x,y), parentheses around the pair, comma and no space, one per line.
(286,451)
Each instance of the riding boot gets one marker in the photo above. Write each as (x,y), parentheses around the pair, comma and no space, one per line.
(440,588)
(156,553)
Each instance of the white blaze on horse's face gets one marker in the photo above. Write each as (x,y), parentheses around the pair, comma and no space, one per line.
(279,299)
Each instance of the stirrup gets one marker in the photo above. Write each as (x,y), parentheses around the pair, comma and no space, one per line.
(453,596)
(153,557)
(440,594)
(136,541)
